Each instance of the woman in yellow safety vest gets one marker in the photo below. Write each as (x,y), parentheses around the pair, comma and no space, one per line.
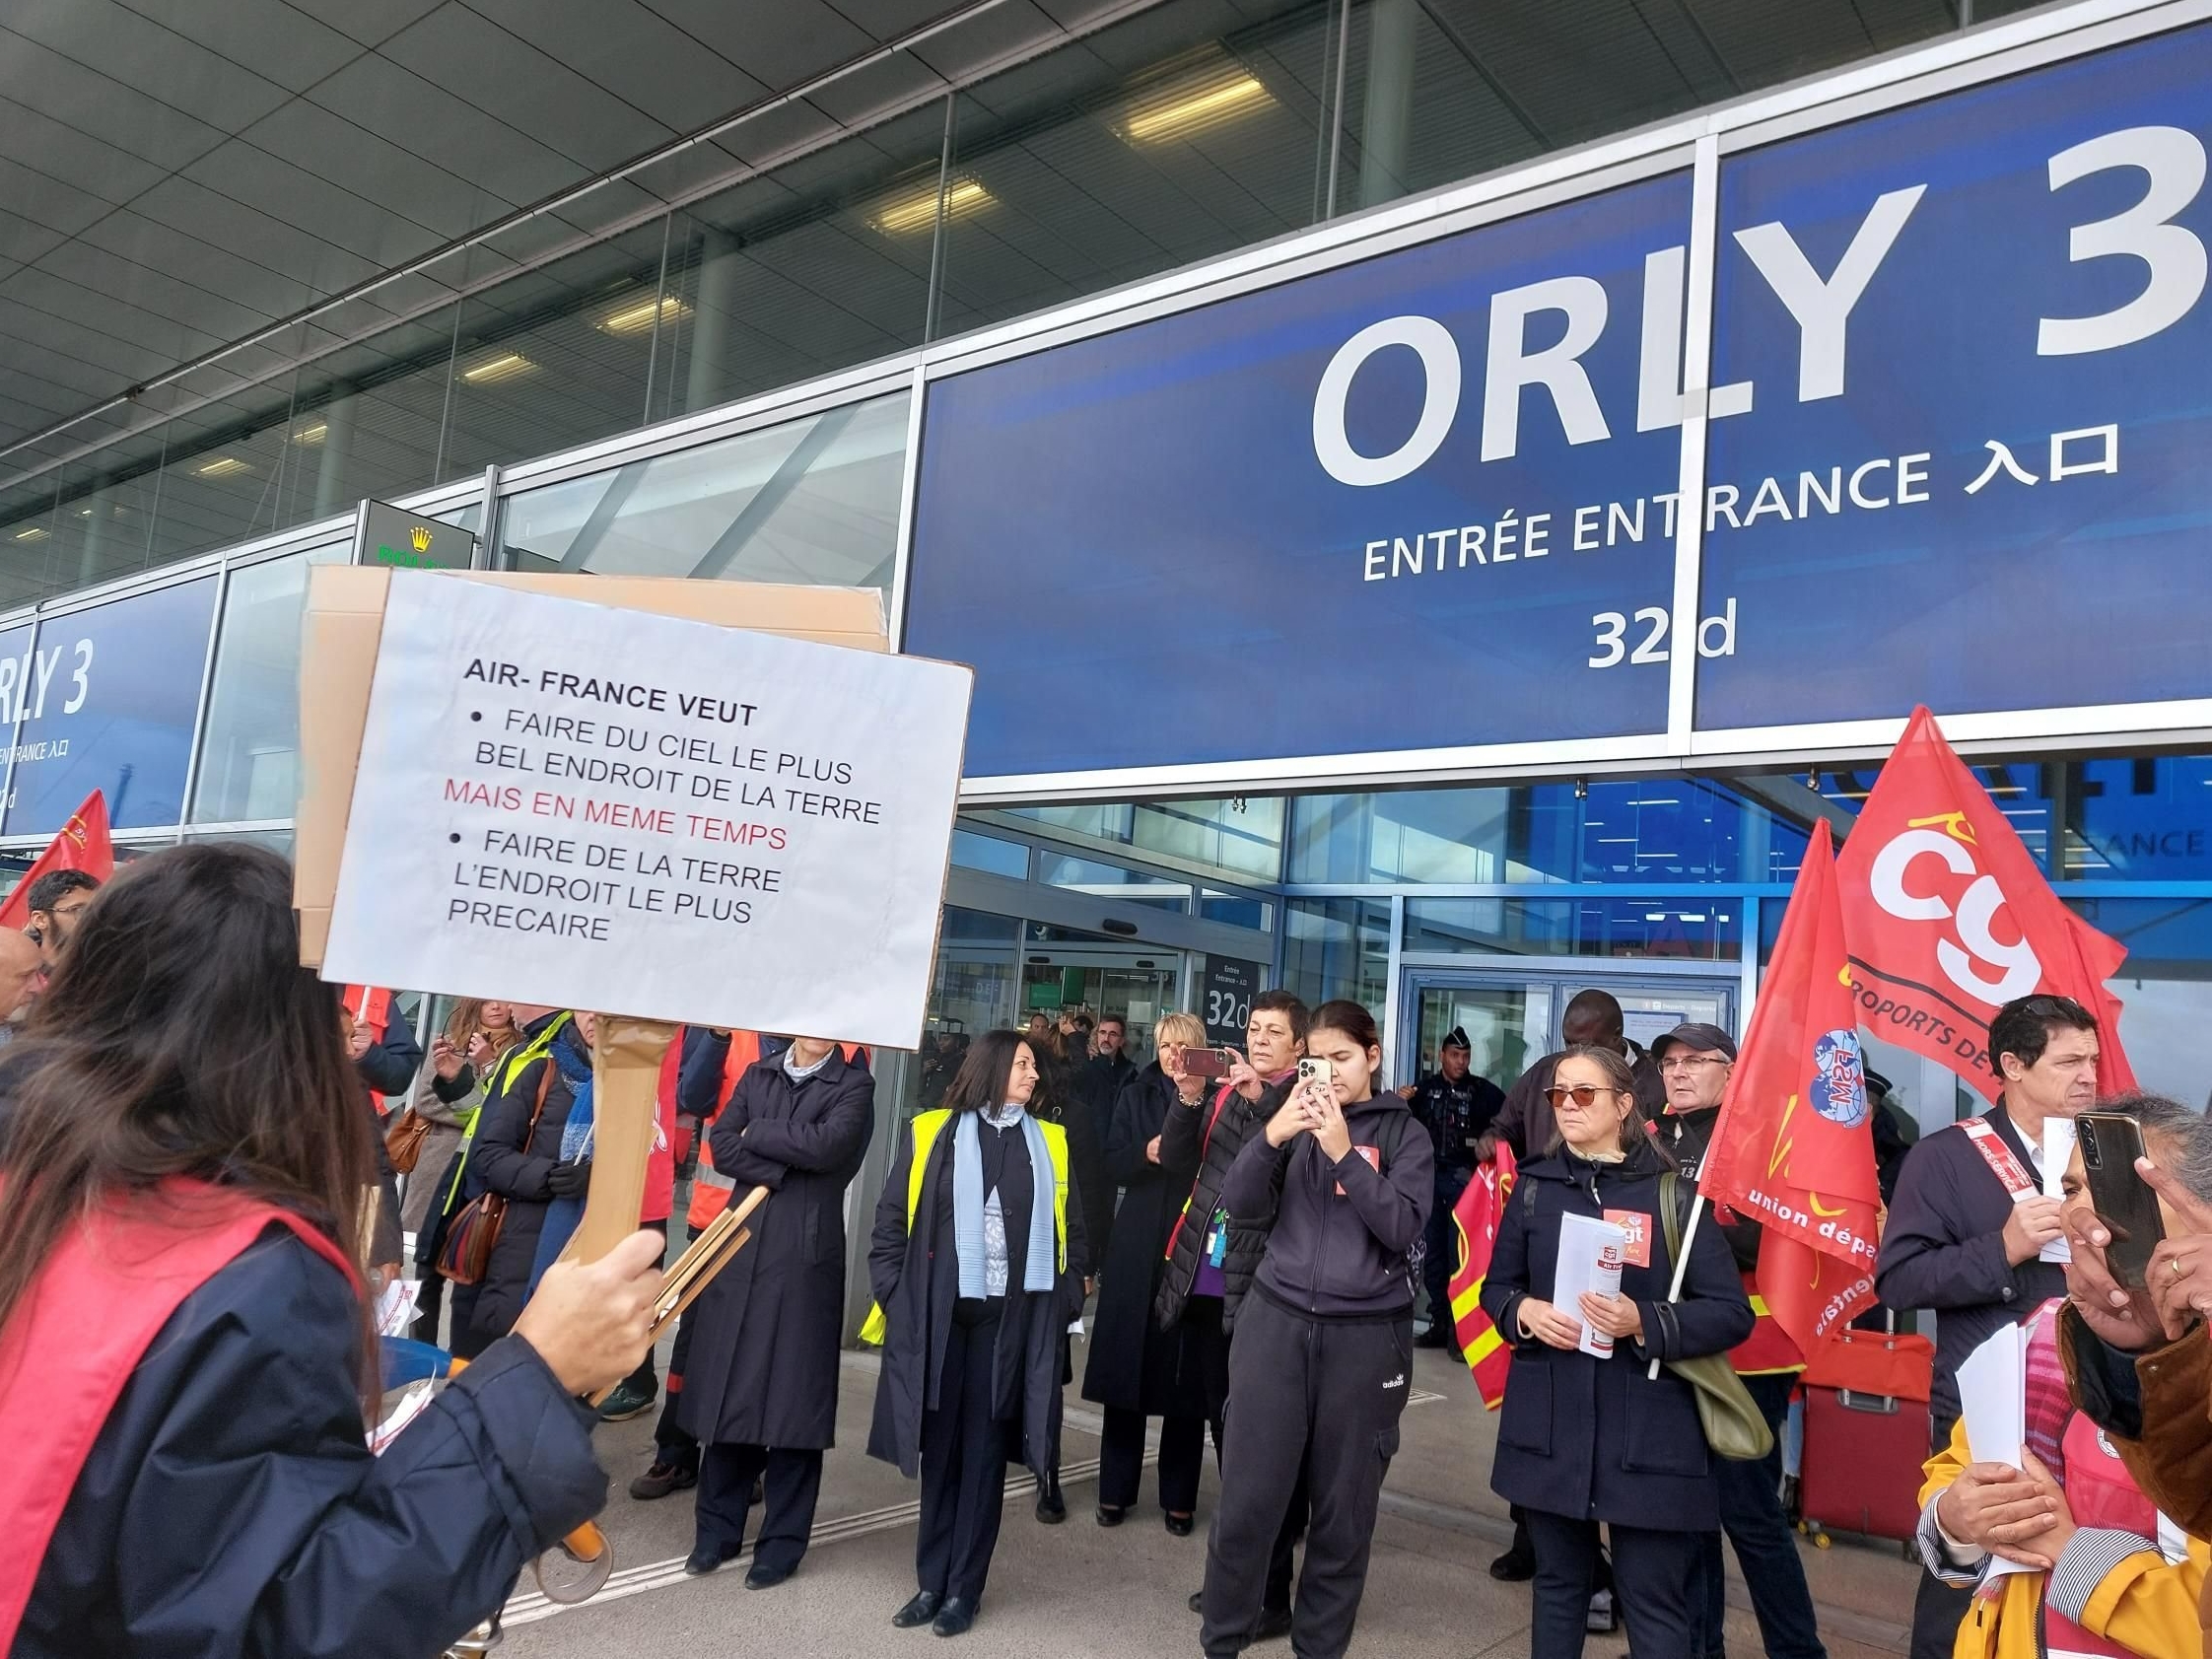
(977,1267)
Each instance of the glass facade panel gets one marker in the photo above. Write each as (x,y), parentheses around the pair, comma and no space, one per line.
(973,993)
(1336,948)
(1114,882)
(990,854)
(2139,819)
(2165,987)
(250,762)
(1240,838)
(810,500)
(1690,931)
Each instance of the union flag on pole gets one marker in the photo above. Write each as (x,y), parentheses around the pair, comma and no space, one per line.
(1950,919)
(1793,1147)
(1478,1213)
(83,844)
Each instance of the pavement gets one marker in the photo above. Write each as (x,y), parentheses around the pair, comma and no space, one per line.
(1078,1589)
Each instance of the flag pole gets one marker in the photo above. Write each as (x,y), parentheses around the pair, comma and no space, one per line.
(1682,1263)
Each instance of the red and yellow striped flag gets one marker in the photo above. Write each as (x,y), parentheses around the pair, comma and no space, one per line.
(1476,1215)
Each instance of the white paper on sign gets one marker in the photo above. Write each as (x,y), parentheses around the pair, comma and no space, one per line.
(579,807)
(2058,1152)
(1590,1257)
(1993,1401)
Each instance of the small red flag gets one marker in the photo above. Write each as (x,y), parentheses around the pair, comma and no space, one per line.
(1950,919)
(1478,1213)
(1794,1144)
(83,844)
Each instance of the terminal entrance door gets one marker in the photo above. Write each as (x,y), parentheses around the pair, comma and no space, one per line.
(1511,1015)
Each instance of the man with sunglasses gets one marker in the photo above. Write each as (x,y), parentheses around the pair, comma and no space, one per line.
(56,899)
(1694,1063)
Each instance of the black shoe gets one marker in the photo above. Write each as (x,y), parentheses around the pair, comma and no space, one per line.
(767,1578)
(626,1402)
(1052,1509)
(1274,1623)
(1198,1601)
(707,1557)
(954,1617)
(1112,1514)
(919,1610)
(1179,1526)
(661,1479)
(1516,1566)
(1434,1336)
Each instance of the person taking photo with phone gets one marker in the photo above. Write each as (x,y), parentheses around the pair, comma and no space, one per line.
(1584,1439)
(1966,1233)
(1342,1180)
(2107,1573)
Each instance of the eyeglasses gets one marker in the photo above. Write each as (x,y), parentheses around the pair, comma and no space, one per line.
(1690,1061)
(1584,1095)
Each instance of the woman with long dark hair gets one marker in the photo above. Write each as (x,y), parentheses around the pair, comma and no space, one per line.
(1341,1179)
(1583,1439)
(977,1267)
(184,1346)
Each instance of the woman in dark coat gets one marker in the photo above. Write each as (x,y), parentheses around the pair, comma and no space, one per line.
(970,1309)
(516,1154)
(226,1503)
(760,1379)
(1583,1440)
(1137,1370)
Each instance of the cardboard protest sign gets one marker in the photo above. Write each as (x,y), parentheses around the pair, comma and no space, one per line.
(583,806)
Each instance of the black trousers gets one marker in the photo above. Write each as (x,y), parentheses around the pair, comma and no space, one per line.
(793,1484)
(963,1461)
(1121,1460)
(1937,1607)
(1441,1251)
(672,1444)
(1317,1399)
(1752,1516)
(1654,1576)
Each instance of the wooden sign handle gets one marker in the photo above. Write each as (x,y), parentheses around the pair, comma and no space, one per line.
(625,1117)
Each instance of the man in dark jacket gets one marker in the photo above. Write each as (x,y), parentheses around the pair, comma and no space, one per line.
(1457,1108)
(760,1380)
(1098,1083)
(1696,1060)
(1966,1233)
(1592,1020)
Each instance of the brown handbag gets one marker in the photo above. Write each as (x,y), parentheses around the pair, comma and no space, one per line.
(403,1141)
(465,1253)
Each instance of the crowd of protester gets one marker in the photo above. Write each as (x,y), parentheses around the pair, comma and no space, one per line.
(1268,1238)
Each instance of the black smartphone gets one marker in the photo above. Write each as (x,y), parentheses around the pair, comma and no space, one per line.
(1206,1063)
(2110,1144)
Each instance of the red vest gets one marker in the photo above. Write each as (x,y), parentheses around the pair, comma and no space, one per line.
(132,1267)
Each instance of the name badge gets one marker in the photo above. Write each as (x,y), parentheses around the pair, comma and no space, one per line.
(1636,1223)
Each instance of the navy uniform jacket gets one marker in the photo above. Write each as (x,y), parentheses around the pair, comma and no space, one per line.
(1597,1439)
(1943,1248)
(1455,1114)
(229,1508)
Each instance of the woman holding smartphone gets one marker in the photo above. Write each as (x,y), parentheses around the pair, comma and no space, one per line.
(1583,1439)
(1341,1178)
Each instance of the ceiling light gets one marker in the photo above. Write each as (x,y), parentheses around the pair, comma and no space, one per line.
(36,533)
(1655,916)
(1193,104)
(636,319)
(315,433)
(494,370)
(918,209)
(222,467)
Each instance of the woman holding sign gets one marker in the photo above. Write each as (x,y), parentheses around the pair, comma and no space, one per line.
(1587,1435)
(184,1349)
(976,1264)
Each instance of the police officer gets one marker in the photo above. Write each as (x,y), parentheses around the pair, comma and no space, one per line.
(1695,1062)
(1457,1107)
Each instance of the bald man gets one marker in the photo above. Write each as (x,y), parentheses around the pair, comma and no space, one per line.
(22,976)
(1593,1020)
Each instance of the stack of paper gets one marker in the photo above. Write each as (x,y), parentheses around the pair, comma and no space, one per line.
(2058,1152)
(1590,1256)
(1993,1399)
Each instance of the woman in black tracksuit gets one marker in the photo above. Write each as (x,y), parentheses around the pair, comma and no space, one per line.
(1581,1440)
(1322,1365)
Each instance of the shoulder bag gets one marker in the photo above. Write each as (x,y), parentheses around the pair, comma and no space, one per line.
(470,1237)
(403,1141)
(1734,1427)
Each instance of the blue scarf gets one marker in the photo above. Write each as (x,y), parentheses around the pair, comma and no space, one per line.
(562,1215)
(1041,1268)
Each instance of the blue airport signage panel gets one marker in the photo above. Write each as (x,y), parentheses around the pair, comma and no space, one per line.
(1372,509)
(1978,350)
(107,700)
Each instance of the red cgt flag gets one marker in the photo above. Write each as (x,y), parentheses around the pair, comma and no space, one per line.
(1950,919)
(83,844)
(1796,1114)
(1479,1209)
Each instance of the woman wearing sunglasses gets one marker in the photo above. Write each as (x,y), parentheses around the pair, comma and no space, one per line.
(1584,1440)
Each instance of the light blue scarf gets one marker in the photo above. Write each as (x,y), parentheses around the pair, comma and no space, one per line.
(1041,1266)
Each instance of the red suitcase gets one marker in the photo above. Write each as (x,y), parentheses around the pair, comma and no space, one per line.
(1866,1435)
